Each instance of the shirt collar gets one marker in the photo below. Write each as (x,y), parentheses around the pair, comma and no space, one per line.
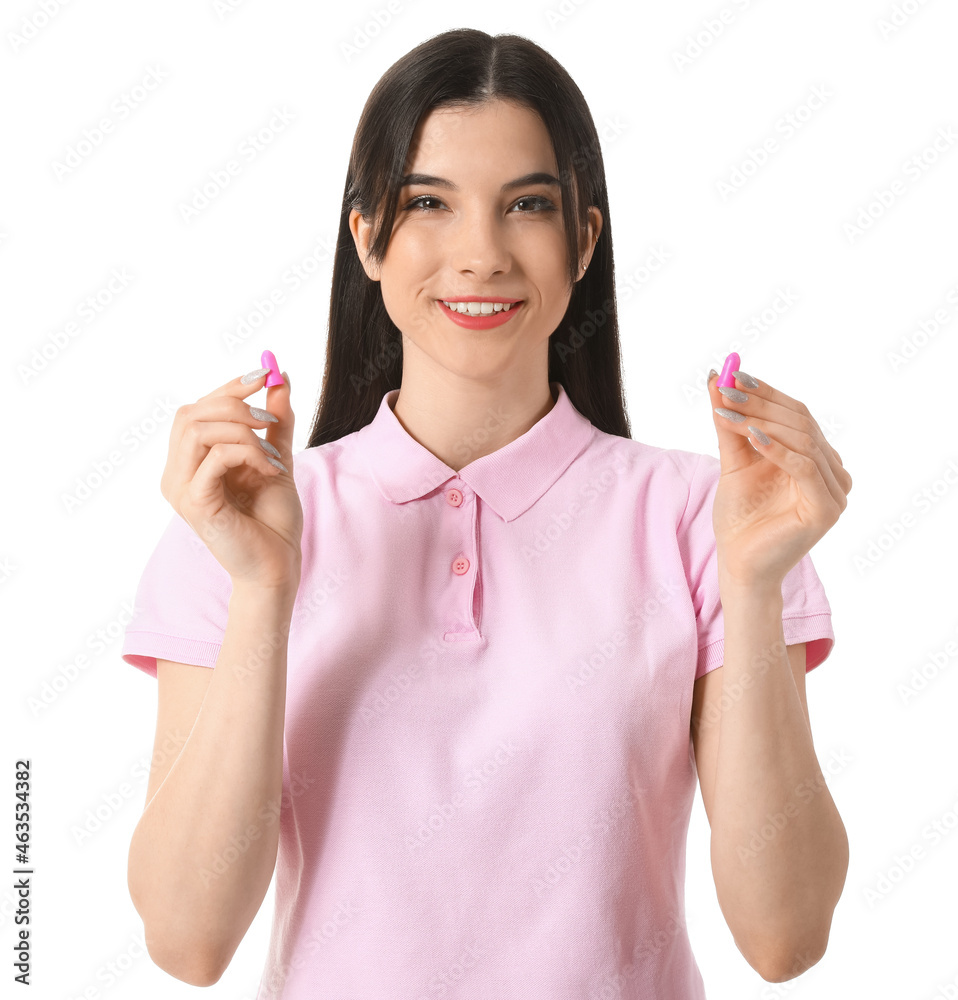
(509,480)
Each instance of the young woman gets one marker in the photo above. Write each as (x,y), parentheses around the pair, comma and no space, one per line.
(473,646)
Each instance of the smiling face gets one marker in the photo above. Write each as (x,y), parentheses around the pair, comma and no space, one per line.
(463,230)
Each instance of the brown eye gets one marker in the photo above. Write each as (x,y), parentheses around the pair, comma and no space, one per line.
(546,205)
(418,203)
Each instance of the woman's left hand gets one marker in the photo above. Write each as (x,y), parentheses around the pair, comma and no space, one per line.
(773,501)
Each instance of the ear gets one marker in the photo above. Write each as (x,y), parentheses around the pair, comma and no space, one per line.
(588,238)
(362,231)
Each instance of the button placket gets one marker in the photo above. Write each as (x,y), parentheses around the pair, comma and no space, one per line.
(456,496)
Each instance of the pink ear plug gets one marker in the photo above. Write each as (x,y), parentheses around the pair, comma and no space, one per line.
(268,360)
(732,364)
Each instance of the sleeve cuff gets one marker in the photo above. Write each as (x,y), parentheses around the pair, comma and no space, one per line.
(141,649)
(815,630)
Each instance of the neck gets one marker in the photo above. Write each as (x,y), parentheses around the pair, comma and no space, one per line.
(461,420)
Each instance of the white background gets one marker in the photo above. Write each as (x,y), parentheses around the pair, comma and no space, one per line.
(671,135)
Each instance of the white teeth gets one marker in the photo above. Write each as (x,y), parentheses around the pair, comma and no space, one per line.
(478,308)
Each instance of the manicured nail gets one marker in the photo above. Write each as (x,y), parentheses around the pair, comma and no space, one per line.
(746,380)
(266,446)
(270,418)
(760,437)
(736,395)
(712,372)
(268,360)
(732,415)
(726,378)
(253,376)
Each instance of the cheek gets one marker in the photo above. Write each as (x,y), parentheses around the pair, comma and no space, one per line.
(414,247)
(401,268)
(551,251)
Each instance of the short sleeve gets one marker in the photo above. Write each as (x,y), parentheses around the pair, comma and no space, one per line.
(181,604)
(806,614)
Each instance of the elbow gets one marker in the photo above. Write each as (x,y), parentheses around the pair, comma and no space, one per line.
(787,963)
(179,958)
(785,955)
(779,957)
(182,958)
(184,964)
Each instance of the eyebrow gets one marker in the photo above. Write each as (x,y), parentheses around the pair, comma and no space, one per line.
(538,177)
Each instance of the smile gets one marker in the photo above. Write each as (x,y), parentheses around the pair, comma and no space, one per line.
(478,307)
(480,315)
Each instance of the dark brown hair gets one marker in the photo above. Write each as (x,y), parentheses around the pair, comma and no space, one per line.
(465,67)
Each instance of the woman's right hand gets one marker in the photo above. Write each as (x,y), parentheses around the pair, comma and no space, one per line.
(219,479)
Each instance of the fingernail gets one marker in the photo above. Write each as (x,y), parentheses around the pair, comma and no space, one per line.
(726,378)
(746,380)
(270,418)
(736,395)
(253,376)
(267,447)
(712,372)
(268,360)
(732,415)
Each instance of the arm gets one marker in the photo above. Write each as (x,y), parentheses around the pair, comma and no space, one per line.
(226,783)
(778,880)
(779,849)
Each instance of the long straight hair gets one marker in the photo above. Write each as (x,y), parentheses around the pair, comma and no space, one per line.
(465,67)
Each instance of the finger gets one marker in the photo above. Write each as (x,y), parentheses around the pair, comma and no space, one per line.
(204,494)
(235,389)
(786,442)
(840,472)
(190,439)
(734,451)
(203,434)
(768,404)
(238,388)
(280,434)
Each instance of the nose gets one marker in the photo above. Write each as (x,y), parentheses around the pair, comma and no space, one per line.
(480,246)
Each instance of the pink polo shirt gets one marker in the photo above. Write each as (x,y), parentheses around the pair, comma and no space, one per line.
(487,766)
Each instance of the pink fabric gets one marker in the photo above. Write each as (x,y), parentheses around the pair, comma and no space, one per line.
(488,768)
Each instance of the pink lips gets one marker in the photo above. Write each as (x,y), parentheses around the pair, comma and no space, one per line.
(481,322)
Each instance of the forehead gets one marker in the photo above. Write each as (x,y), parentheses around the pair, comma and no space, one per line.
(498,135)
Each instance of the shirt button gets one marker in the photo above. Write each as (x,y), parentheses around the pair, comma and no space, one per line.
(453,497)
(460,565)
